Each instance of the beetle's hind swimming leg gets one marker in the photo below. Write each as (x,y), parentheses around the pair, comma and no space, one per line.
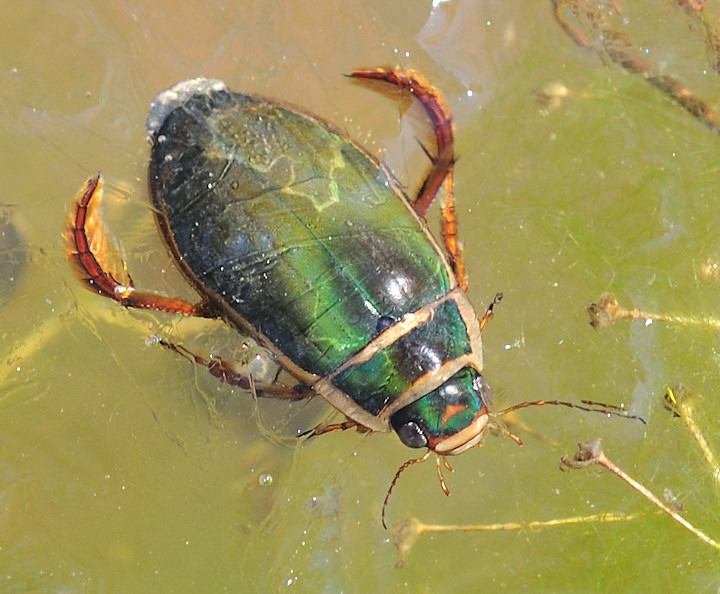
(225,372)
(88,251)
(437,111)
(441,172)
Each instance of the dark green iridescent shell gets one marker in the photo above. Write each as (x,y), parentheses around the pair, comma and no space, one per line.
(297,235)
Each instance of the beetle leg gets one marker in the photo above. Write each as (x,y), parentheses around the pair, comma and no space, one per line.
(490,311)
(439,114)
(322,429)
(442,165)
(449,232)
(225,372)
(89,253)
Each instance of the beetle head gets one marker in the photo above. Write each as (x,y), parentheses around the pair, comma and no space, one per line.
(448,420)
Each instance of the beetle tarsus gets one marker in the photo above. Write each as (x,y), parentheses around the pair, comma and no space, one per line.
(442,164)
(226,373)
(89,254)
(439,114)
(322,429)
(490,311)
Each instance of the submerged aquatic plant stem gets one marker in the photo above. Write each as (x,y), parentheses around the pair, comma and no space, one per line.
(607,310)
(406,533)
(600,26)
(678,400)
(592,453)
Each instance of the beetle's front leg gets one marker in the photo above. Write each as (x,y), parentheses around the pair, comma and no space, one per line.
(225,372)
(88,252)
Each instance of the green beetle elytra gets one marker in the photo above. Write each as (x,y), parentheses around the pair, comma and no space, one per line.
(293,234)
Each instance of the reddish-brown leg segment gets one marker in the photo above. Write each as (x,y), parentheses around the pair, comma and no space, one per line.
(225,372)
(89,252)
(439,114)
(449,230)
(442,164)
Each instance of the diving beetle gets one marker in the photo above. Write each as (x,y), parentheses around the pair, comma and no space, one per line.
(295,235)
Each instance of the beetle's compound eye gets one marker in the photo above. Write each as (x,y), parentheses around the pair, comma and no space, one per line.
(411,435)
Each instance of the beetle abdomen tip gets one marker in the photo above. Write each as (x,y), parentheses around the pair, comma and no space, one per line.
(178,94)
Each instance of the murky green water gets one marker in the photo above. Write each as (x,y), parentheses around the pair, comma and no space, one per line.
(125,468)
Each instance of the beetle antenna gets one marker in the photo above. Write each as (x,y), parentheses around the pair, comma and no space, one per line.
(586,405)
(395,478)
